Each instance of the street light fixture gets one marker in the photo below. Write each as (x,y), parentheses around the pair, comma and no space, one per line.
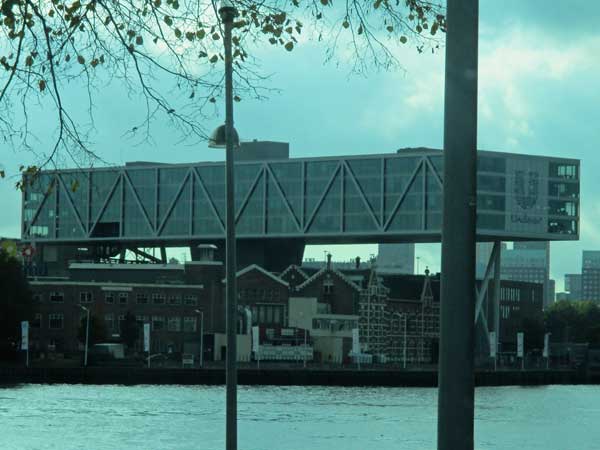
(87,334)
(201,336)
(226,134)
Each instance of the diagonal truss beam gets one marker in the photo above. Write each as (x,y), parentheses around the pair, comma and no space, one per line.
(208,198)
(173,202)
(434,171)
(38,210)
(282,195)
(411,180)
(255,182)
(62,185)
(138,201)
(118,179)
(322,198)
(361,193)
(481,293)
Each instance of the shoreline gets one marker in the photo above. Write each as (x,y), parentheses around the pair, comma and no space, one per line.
(348,377)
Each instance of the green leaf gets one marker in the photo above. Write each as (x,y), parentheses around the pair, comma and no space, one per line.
(403,39)
(345,24)
(168,20)
(212,100)
(177,33)
(237,99)
(377,4)
(42,85)
(29,61)
(324,2)
(390,28)
(2,174)
(289,46)
(216,36)
(80,59)
(214,59)
(139,40)
(200,34)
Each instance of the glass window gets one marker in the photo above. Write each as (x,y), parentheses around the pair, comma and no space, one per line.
(190,300)
(37,321)
(56,321)
(189,324)
(174,324)
(85,297)
(174,300)
(38,298)
(57,297)
(121,322)
(141,299)
(158,299)
(158,323)
(109,320)
(123,296)
(109,298)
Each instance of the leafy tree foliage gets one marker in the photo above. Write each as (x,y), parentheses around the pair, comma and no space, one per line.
(574,321)
(16,304)
(97,330)
(169,52)
(130,330)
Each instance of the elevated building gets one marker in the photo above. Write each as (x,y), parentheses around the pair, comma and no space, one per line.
(103,213)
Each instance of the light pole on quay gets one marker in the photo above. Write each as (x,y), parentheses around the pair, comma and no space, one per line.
(87,334)
(201,313)
(226,136)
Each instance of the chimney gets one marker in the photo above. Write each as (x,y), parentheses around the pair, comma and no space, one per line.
(206,252)
(357,262)
(328,261)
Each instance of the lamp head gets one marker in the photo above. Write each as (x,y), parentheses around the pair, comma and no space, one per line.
(218,138)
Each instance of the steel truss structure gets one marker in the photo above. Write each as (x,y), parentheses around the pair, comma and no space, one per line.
(374,198)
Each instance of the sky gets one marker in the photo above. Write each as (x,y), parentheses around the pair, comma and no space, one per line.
(538,94)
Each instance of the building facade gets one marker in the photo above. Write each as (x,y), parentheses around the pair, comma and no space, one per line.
(590,276)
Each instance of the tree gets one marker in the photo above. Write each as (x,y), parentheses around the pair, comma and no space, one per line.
(16,304)
(574,321)
(97,330)
(130,330)
(168,52)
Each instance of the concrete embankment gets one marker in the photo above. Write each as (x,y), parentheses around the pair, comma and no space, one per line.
(280,376)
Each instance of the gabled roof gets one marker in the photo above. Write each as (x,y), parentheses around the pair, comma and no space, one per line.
(252,267)
(296,268)
(325,270)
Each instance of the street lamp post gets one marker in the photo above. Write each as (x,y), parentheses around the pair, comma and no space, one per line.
(201,336)
(457,332)
(87,334)
(227,136)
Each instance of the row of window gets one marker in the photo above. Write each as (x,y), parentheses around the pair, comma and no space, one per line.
(56,321)
(122,298)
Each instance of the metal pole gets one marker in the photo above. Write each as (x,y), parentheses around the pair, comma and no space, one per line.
(404,349)
(496,296)
(202,339)
(87,337)
(227,13)
(305,348)
(457,333)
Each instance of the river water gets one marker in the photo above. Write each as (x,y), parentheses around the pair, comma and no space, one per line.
(65,417)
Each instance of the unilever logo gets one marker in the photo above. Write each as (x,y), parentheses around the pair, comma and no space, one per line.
(526,196)
(526,193)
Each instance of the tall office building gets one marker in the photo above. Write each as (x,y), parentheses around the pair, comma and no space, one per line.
(591,275)
(526,261)
(396,258)
(573,285)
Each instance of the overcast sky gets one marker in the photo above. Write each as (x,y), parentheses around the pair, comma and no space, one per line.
(538,93)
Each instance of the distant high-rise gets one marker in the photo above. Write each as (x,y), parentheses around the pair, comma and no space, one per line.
(396,258)
(590,268)
(573,285)
(526,261)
